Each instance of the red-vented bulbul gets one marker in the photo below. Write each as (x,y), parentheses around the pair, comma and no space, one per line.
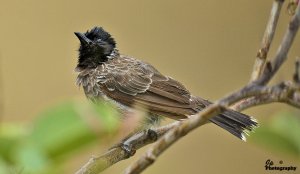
(106,74)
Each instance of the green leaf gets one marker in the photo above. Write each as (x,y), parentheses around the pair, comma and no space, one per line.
(10,137)
(56,132)
(3,166)
(30,158)
(288,125)
(281,134)
(71,125)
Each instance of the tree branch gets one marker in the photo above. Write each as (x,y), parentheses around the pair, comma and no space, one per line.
(97,164)
(285,92)
(296,77)
(262,53)
(282,51)
(250,90)
(255,93)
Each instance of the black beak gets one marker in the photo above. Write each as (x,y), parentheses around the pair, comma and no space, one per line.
(83,39)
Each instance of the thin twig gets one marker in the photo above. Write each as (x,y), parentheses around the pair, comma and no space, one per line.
(292,5)
(252,89)
(262,53)
(282,51)
(97,164)
(285,92)
(296,76)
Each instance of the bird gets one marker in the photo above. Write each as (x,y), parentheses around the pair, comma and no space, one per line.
(106,74)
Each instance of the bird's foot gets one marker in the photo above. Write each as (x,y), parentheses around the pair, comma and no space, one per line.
(129,144)
(152,135)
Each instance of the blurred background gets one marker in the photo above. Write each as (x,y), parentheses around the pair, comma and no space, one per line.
(209,46)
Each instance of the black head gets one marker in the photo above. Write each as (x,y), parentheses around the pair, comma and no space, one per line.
(95,47)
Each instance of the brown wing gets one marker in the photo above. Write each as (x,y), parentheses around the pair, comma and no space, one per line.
(130,81)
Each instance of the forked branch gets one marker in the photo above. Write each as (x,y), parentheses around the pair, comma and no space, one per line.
(252,94)
(254,89)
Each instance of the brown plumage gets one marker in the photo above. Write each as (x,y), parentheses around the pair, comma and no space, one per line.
(104,73)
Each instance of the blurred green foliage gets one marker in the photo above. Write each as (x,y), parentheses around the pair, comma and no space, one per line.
(280,134)
(41,146)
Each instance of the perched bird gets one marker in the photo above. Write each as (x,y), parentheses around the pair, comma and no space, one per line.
(105,74)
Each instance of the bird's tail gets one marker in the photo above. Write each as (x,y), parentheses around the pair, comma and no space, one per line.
(234,122)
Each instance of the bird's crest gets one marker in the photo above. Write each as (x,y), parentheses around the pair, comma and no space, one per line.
(99,33)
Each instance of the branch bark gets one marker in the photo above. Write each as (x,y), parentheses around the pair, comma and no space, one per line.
(97,164)
(262,53)
(285,92)
(282,51)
